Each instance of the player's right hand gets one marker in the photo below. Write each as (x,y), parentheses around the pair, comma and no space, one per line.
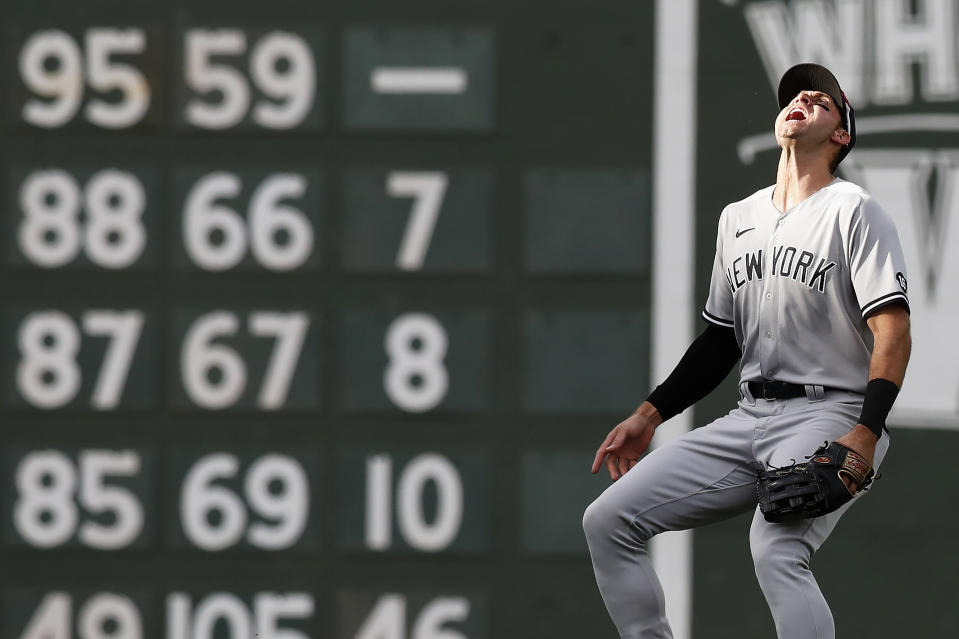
(627,442)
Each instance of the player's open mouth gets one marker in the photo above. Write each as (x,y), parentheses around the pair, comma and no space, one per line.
(795,114)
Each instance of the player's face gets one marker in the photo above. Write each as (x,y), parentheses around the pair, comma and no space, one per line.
(812,117)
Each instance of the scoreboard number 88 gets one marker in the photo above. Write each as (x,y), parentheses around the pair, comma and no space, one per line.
(50,233)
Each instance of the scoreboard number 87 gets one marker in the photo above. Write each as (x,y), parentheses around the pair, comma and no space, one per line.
(48,375)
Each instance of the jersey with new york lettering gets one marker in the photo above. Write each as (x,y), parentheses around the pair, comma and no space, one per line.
(798,286)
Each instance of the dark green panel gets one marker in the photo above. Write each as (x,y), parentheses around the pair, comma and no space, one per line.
(419,79)
(557,487)
(438,361)
(587,221)
(582,362)
(411,234)
(548,88)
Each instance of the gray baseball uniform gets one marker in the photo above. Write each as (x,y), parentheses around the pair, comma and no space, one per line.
(795,287)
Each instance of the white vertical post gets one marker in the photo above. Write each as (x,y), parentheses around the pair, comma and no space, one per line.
(674,252)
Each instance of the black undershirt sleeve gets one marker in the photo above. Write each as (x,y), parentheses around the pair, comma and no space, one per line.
(706,363)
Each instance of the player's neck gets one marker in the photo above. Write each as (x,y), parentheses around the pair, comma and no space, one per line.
(799,175)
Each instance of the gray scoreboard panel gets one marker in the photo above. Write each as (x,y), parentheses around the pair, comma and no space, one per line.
(419,79)
(556,491)
(587,222)
(585,362)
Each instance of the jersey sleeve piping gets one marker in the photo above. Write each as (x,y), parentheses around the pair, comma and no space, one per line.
(885,300)
(712,319)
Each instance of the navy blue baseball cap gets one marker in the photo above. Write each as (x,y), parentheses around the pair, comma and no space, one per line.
(815,77)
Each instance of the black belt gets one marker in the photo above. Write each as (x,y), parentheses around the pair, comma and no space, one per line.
(777,390)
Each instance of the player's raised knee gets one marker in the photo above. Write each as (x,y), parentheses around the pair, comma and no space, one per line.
(597,519)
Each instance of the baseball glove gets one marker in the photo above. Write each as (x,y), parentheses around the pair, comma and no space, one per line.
(813,488)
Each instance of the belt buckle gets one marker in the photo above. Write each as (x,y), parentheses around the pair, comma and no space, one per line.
(762,385)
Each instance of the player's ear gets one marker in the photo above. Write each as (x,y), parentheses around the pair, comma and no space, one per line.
(840,136)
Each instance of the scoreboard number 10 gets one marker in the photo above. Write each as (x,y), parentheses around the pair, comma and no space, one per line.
(411,520)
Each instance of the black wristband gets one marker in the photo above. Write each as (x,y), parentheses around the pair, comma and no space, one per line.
(880,396)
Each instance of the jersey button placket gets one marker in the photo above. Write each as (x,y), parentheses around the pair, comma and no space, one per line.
(770,309)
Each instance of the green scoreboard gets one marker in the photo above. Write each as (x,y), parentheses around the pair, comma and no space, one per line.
(313,314)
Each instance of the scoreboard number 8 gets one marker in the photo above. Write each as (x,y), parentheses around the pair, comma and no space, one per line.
(415,378)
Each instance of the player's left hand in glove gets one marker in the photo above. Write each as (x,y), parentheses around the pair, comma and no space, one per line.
(815,487)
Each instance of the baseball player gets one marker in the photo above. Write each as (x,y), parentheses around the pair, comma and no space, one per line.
(808,291)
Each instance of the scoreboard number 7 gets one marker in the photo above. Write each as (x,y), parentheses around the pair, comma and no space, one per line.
(427,189)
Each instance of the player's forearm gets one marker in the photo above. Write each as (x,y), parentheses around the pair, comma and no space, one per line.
(706,363)
(892,345)
(887,368)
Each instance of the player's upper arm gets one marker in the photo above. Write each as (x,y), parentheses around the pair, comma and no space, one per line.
(719,304)
(891,321)
(876,262)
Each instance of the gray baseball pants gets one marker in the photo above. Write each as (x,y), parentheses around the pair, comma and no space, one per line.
(707,475)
